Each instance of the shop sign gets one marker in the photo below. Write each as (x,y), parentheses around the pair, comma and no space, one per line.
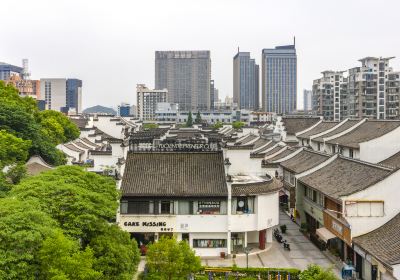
(337,227)
(179,147)
(138,225)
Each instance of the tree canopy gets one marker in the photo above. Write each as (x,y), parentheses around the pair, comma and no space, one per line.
(170,259)
(189,122)
(21,117)
(238,124)
(59,225)
(198,119)
(316,272)
(217,125)
(12,149)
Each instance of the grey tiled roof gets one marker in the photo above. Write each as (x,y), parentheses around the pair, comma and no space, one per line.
(274,150)
(348,124)
(176,174)
(323,126)
(282,155)
(344,176)
(303,161)
(73,148)
(297,124)
(80,122)
(393,161)
(90,143)
(256,188)
(383,243)
(369,130)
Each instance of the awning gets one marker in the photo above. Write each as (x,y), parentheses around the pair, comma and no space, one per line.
(325,234)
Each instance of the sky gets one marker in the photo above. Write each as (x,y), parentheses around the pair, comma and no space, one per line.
(110,45)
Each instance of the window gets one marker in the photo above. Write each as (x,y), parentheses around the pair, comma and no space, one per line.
(351,153)
(124,207)
(185,207)
(208,207)
(209,243)
(140,207)
(364,208)
(167,207)
(243,205)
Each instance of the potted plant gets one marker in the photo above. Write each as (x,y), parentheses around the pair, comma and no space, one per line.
(283,228)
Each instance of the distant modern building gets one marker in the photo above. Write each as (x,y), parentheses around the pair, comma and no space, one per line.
(245,81)
(307,100)
(371,91)
(74,94)
(124,110)
(279,79)
(212,94)
(63,95)
(133,111)
(147,100)
(54,92)
(8,70)
(187,76)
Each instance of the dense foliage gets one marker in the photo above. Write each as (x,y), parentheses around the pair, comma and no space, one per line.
(316,272)
(148,126)
(238,124)
(218,125)
(20,117)
(58,225)
(170,259)
(198,119)
(189,122)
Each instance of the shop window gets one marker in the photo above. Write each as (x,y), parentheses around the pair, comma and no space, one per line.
(124,207)
(208,207)
(209,243)
(140,207)
(243,205)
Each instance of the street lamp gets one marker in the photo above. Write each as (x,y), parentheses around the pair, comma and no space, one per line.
(247,251)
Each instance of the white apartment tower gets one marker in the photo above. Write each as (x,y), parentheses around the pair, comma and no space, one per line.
(147,100)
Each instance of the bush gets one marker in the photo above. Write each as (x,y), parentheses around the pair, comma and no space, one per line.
(283,228)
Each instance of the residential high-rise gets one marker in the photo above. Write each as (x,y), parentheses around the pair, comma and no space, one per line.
(245,81)
(307,100)
(54,92)
(74,95)
(330,95)
(147,100)
(279,79)
(371,90)
(187,76)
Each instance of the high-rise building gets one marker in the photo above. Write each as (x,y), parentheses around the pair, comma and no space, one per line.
(307,100)
(74,95)
(147,100)
(124,110)
(330,95)
(8,70)
(279,79)
(245,81)
(187,76)
(212,94)
(54,92)
(371,90)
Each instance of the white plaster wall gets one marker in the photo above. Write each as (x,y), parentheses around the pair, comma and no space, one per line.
(381,148)
(243,222)
(101,161)
(267,210)
(70,153)
(383,190)
(109,127)
(396,271)
(252,237)
(203,223)
(241,163)
(117,150)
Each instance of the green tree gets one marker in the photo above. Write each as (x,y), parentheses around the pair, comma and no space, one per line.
(22,230)
(16,173)
(316,272)
(61,258)
(237,125)
(169,259)
(12,149)
(117,256)
(79,201)
(198,119)
(218,125)
(189,122)
(58,126)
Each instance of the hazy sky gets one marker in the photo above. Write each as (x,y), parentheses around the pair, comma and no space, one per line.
(110,44)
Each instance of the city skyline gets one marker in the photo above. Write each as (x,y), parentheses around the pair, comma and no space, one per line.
(129,58)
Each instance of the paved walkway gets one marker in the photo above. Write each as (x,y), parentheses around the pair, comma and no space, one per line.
(302,253)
